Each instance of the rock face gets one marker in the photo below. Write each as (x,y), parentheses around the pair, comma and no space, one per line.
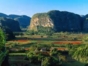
(57,20)
(10,23)
(41,19)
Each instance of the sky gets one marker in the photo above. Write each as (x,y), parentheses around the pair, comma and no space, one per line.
(31,7)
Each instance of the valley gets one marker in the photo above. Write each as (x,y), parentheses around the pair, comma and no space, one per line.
(55,38)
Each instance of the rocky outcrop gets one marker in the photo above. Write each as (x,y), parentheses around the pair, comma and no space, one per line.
(10,23)
(57,20)
(41,19)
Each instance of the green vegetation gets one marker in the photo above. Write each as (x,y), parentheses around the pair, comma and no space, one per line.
(43,56)
(2,40)
(3,52)
(41,31)
(81,53)
(49,43)
(17,54)
(48,52)
(9,23)
(40,15)
(2,56)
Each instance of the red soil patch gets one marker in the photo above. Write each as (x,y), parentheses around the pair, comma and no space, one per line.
(68,42)
(62,49)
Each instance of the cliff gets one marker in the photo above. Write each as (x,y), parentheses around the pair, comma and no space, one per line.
(40,20)
(57,20)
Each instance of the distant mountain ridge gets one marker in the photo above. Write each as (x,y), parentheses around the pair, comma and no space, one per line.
(11,24)
(23,20)
(59,21)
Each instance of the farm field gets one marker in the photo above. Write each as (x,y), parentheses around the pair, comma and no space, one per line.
(23,45)
(26,44)
(44,41)
(68,42)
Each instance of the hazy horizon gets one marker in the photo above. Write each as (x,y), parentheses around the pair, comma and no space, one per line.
(31,7)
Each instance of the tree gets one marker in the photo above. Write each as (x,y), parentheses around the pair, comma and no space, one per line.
(37,57)
(2,39)
(31,55)
(46,61)
(85,40)
(40,56)
(81,54)
(54,52)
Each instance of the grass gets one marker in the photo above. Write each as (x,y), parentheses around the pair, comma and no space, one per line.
(24,54)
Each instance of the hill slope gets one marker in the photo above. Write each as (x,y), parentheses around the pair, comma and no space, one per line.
(23,20)
(10,23)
